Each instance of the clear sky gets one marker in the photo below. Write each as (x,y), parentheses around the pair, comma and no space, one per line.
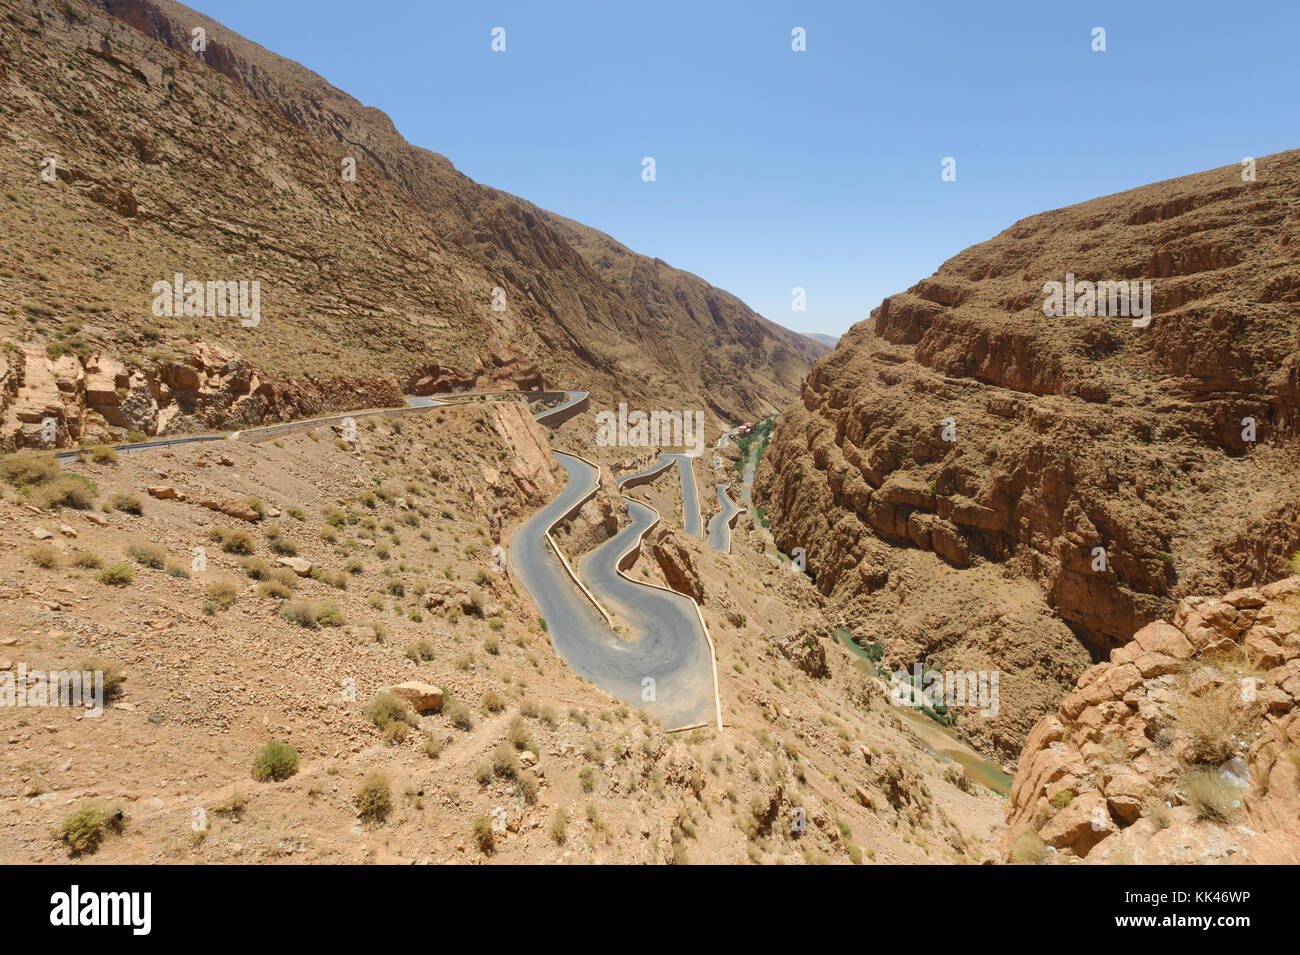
(818,169)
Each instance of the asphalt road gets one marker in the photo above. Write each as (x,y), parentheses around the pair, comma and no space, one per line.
(669,648)
(720,526)
(691,522)
(663,665)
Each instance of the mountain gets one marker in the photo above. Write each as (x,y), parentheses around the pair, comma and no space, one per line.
(829,340)
(982,484)
(227,165)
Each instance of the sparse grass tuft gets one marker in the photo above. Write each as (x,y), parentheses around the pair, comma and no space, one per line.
(1028,849)
(116,575)
(301,613)
(275,762)
(46,555)
(222,592)
(1213,797)
(84,830)
(148,555)
(374,798)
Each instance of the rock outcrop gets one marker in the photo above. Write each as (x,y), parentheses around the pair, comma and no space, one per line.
(676,563)
(1183,748)
(960,442)
(63,401)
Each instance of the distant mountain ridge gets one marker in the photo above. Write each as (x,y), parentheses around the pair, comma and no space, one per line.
(226,164)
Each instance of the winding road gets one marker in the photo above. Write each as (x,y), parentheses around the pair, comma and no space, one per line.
(720,526)
(666,666)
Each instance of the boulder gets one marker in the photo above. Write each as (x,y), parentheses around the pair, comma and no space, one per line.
(423,697)
(299,565)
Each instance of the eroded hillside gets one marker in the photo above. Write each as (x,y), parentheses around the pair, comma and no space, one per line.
(227,165)
(952,468)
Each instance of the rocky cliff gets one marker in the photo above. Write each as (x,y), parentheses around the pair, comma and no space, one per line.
(1183,748)
(982,483)
(130,157)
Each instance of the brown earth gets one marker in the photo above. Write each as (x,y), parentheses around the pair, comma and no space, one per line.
(226,165)
(395,532)
(1071,434)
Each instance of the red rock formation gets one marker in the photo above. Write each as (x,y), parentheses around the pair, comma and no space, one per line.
(210,388)
(1109,777)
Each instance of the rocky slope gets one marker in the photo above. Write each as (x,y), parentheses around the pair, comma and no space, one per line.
(1183,748)
(226,165)
(1070,434)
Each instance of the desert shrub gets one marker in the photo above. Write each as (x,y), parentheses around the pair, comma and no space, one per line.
(587,779)
(492,644)
(84,830)
(1028,849)
(116,575)
(433,745)
(256,505)
(1209,794)
(103,454)
(27,470)
(300,612)
(484,837)
(45,555)
(275,762)
(284,546)
(233,541)
(222,592)
(559,825)
(68,490)
(474,604)
(256,568)
(504,762)
(493,701)
(1216,721)
(374,798)
(88,560)
(517,734)
(296,513)
(274,589)
(332,578)
(148,555)
(329,615)
(285,576)
(459,715)
(354,567)
(114,673)
(176,570)
(396,588)
(419,652)
(127,504)
(529,785)
(387,709)
(1062,798)
(333,516)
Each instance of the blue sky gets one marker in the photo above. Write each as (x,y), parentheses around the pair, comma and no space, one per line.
(818,169)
